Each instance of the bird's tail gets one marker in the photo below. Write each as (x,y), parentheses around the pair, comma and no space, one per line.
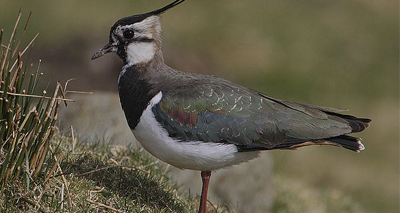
(356,124)
(345,141)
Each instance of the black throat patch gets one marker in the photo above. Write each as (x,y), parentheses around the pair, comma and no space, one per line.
(135,94)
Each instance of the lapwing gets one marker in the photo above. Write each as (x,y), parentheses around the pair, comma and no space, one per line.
(201,122)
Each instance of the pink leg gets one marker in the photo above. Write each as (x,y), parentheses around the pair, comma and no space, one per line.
(205,176)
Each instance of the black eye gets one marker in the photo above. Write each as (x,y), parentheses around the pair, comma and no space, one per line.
(128,34)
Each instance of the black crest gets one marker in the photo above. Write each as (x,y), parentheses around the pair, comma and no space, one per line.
(141,17)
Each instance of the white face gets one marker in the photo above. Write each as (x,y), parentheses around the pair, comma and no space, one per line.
(138,39)
(139,52)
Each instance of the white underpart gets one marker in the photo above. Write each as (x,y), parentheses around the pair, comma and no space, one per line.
(139,52)
(197,155)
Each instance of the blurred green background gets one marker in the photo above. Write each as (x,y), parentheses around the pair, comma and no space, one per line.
(342,54)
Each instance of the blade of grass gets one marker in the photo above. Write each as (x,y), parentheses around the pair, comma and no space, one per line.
(23,33)
(27,178)
(103,205)
(9,44)
(26,48)
(37,96)
(54,167)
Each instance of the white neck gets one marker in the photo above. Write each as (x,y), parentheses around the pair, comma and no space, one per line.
(139,52)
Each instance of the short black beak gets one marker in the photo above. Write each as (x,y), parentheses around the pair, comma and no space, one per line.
(106,49)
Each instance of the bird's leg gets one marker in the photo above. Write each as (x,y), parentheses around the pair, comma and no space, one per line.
(205,176)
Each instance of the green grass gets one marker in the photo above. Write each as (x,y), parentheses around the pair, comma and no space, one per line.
(122,178)
(99,178)
(27,119)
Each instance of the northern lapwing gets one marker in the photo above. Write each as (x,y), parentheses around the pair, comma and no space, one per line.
(205,123)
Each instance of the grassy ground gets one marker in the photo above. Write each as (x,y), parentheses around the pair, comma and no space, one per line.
(341,54)
(99,178)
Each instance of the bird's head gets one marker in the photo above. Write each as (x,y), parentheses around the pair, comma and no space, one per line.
(136,38)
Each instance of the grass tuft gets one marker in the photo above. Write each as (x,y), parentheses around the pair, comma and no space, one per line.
(27,119)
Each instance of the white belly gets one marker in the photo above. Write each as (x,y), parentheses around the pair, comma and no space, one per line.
(197,155)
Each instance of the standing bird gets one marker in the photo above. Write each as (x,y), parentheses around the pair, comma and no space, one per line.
(205,123)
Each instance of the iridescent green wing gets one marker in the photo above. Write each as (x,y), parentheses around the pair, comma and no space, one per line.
(228,113)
